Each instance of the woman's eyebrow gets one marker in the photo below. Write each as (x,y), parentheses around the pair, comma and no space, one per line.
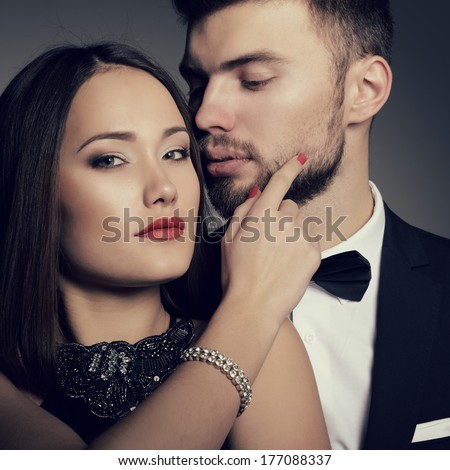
(174,130)
(130,136)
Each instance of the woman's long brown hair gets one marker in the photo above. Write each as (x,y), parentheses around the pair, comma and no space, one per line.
(33,112)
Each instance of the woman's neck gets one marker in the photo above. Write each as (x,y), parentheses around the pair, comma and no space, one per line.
(97,314)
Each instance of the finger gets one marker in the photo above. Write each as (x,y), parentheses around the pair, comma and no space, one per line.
(240,213)
(243,209)
(279,184)
(289,208)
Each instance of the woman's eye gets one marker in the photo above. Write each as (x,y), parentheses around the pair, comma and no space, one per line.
(107,161)
(177,154)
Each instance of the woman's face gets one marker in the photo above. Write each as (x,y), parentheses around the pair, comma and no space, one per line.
(124,177)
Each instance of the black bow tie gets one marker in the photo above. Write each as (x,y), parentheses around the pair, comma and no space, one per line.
(345,275)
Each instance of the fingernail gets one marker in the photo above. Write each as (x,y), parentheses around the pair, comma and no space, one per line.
(302,158)
(253,192)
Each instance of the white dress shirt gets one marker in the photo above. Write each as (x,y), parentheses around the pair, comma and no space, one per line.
(339,337)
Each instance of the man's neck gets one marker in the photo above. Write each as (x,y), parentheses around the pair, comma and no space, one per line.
(340,212)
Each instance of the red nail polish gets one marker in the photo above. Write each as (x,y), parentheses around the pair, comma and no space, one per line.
(253,192)
(302,159)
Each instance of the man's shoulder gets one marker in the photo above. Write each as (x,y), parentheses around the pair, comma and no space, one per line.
(401,227)
(433,241)
(424,247)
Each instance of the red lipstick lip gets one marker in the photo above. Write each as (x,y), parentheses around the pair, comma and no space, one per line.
(164,228)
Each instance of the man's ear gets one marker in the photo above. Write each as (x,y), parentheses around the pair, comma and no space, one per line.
(369,88)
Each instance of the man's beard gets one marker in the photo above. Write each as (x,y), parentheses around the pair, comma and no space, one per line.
(313,181)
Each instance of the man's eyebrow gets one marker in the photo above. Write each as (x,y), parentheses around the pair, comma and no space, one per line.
(128,136)
(260,57)
(191,66)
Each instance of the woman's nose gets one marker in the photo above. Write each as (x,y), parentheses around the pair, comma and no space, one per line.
(159,188)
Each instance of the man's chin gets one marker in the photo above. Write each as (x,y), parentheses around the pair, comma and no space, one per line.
(225,195)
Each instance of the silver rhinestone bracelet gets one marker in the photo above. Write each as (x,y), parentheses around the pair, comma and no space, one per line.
(227,367)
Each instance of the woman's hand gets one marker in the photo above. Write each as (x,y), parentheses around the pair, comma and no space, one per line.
(265,257)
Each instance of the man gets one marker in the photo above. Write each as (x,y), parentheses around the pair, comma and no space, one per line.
(269,79)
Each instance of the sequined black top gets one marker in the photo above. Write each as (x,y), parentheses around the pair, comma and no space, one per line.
(100,384)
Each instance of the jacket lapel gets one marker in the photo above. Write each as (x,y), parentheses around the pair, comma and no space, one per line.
(408,306)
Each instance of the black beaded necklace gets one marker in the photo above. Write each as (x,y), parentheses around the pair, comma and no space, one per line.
(113,378)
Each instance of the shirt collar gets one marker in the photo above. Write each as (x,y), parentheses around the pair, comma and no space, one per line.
(368,239)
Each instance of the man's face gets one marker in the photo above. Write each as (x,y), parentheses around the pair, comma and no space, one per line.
(263,90)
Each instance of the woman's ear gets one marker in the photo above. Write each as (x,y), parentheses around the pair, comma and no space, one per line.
(370,86)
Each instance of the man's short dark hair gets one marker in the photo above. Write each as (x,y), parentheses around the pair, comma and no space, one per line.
(351,29)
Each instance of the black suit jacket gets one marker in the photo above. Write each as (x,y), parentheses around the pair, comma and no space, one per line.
(411,370)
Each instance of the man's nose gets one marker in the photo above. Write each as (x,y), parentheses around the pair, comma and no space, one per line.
(216,111)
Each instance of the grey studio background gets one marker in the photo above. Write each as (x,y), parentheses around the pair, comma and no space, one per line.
(410,160)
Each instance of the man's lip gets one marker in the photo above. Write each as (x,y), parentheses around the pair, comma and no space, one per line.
(221,154)
(169,224)
(224,168)
(222,161)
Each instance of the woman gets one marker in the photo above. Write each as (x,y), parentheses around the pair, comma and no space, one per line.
(100,194)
